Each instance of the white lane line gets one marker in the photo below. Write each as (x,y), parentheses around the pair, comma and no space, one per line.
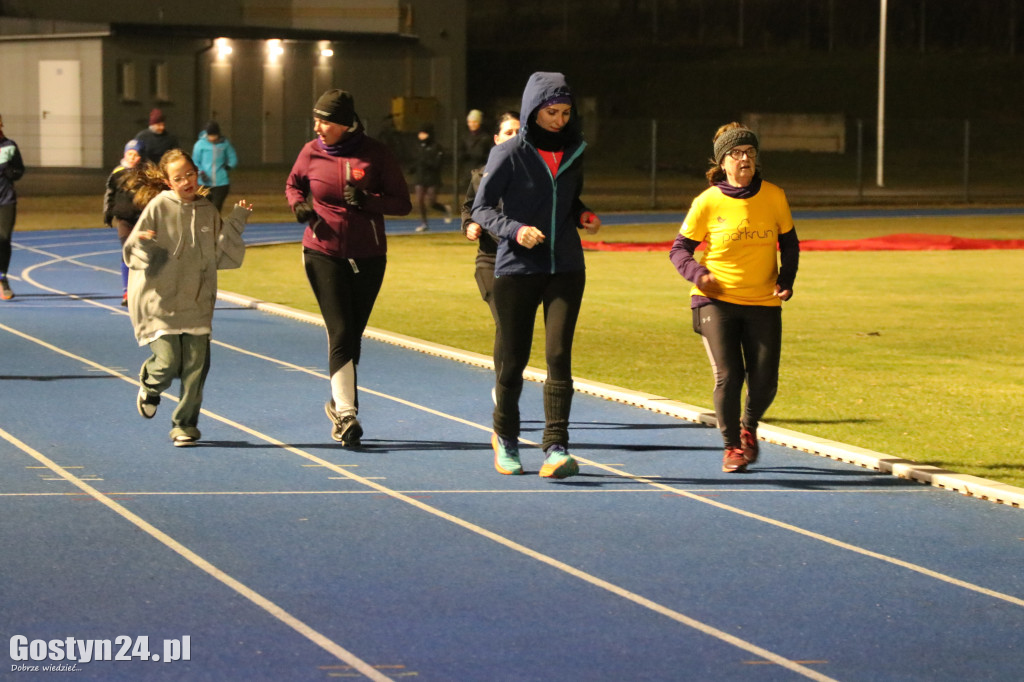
(664,487)
(316,637)
(199,562)
(565,567)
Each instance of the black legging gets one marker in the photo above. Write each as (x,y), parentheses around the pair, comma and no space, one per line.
(516,299)
(744,344)
(8,213)
(485,283)
(346,291)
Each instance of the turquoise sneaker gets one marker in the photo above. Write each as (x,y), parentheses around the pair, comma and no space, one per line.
(506,456)
(559,464)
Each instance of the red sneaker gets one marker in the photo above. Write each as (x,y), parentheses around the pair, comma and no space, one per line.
(750,447)
(733,462)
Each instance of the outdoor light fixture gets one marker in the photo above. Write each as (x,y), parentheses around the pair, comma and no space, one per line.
(274,49)
(326,52)
(223,47)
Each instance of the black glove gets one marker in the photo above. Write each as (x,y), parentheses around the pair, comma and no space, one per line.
(303,212)
(354,195)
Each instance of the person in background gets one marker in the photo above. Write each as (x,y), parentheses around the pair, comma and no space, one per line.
(487,247)
(738,289)
(11,170)
(340,187)
(476,142)
(215,156)
(119,208)
(529,198)
(156,140)
(426,173)
(174,252)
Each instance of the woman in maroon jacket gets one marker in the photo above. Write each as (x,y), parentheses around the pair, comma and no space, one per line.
(342,184)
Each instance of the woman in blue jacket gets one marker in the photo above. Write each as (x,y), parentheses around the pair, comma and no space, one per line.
(214,156)
(529,198)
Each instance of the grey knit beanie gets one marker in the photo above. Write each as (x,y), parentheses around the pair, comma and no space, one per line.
(733,138)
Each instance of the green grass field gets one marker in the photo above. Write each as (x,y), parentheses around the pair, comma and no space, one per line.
(914,354)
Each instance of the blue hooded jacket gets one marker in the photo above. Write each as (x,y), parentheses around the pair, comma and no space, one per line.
(214,160)
(518,189)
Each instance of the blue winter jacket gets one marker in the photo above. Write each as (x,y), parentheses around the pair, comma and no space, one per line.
(214,160)
(518,189)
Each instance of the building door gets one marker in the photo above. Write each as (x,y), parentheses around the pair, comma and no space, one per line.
(273,113)
(60,113)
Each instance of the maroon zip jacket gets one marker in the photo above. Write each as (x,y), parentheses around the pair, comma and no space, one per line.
(319,177)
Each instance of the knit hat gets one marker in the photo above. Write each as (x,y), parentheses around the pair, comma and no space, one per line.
(133,145)
(475,115)
(156,116)
(733,138)
(336,106)
(212,128)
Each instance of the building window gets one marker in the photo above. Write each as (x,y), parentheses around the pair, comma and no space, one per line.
(159,81)
(126,88)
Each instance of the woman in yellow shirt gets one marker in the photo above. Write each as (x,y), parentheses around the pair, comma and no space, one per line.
(738,288)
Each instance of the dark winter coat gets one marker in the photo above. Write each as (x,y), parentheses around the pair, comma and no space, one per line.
(319,176)
(518,189)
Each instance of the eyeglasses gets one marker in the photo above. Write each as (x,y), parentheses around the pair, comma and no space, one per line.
(737,154)
(178,179)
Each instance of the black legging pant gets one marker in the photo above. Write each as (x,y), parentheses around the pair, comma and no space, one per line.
(485,283)
(8,213)
(744,344)
(516,299)
(346,291)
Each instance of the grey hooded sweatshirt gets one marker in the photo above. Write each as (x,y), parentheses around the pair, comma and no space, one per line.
(172,278)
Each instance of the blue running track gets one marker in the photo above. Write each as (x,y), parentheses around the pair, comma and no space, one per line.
(268,552)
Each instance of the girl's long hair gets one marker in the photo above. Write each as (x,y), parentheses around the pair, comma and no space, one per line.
(146,180)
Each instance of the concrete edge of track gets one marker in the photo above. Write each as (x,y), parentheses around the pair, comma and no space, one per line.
(971,486)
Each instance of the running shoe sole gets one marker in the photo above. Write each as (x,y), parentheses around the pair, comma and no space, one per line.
(145,405)
(563,469)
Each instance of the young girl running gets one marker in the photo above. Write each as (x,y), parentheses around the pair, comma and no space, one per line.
(173,254)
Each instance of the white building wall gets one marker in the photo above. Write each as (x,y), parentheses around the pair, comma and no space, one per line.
(19,93)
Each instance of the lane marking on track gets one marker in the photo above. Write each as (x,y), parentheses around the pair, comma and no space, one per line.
(623,474)
(199,562)
(555,563)
(308,631)
(435,492)
(680,492)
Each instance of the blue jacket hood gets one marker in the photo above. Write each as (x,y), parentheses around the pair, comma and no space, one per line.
(541,87)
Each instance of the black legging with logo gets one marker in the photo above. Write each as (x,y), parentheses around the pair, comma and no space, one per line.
(516,299)
(744,344)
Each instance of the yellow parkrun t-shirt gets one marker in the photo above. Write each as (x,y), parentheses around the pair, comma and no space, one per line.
(741,238)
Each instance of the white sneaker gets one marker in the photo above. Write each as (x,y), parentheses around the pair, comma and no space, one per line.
(146,403)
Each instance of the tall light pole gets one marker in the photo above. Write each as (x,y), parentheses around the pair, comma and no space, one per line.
(881,95)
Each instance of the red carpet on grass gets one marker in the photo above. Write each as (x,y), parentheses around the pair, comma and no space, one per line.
(892,242)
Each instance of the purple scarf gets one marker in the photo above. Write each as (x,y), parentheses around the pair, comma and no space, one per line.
(741,192)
